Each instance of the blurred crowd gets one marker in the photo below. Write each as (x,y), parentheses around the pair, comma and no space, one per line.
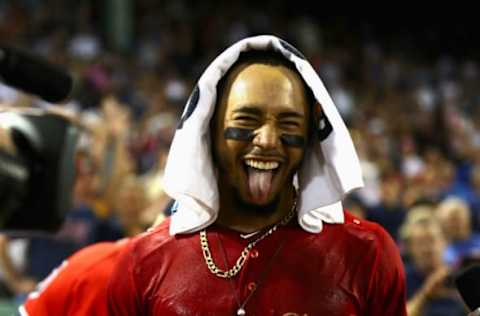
(415,124)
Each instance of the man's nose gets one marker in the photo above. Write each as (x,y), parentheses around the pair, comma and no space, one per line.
(267,137)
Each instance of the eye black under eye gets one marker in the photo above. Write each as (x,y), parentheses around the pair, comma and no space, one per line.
(293,140)
(235,133)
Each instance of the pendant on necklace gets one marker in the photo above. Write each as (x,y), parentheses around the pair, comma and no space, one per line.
(241,312)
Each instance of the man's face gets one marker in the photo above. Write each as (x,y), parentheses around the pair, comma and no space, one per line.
(260,131)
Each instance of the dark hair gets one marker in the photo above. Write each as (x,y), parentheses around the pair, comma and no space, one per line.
(266,57)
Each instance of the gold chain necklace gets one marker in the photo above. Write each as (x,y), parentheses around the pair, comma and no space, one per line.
(226,274)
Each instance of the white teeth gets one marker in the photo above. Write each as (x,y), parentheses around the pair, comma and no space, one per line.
(262,165)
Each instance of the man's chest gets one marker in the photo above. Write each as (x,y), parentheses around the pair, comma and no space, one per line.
(293,282)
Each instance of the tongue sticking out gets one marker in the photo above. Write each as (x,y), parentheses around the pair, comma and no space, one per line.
(260,184)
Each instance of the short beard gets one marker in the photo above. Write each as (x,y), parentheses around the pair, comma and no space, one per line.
(264,210)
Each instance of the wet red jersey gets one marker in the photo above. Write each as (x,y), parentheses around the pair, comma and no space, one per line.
(78,286)
(351,269)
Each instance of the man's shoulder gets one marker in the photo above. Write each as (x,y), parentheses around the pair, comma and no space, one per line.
(362,228)
(356,231)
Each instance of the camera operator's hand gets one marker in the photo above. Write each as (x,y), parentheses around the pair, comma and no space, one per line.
(24,285)
(6,143)
(15,281)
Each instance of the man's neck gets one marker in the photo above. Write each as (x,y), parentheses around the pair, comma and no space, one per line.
(236,217)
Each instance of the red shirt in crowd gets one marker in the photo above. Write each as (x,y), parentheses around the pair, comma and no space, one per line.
(351,269)
(78,285)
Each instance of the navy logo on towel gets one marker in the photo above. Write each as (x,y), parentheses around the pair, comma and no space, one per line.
(322,124)
(190,107)
(291,49)
(174,207)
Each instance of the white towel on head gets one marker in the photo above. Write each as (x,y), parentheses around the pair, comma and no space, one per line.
(330,170)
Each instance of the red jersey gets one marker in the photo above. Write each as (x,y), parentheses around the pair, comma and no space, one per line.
(78,285)
(350,269)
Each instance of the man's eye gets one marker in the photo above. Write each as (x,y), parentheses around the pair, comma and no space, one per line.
(247,119)
(289,124)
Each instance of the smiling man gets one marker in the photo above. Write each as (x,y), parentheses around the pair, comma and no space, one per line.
(259,133)
(258,169)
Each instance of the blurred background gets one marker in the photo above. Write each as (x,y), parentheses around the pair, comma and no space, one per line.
(408,90)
